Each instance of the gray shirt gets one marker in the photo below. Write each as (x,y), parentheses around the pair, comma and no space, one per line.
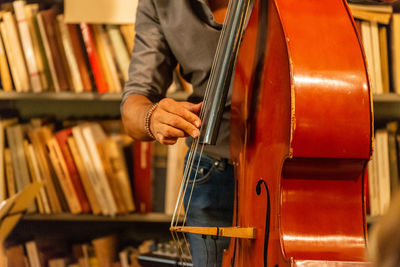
(172,31)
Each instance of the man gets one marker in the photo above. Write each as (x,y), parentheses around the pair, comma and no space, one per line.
(184,32)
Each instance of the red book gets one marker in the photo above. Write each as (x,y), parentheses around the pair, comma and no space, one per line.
(80,57)
(62,137)
(142,173)
(94,59)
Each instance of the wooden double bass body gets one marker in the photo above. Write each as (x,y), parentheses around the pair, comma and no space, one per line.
(301,136)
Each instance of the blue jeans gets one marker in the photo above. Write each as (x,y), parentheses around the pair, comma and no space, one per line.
(211,205)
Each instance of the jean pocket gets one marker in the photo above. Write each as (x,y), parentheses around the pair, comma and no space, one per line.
(202,173)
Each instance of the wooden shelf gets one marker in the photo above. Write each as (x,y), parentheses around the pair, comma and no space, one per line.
(134,217)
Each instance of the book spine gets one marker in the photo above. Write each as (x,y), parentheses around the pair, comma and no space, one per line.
(108,58)
(80,57)
(4,69)
(43,194)
(89,189)
(99,170)
(11,59)
(73,65)
(80,141)
(94,58)
(27,45)
(29,9)
(47,51)
(16,52)
(120,51)
(63,176)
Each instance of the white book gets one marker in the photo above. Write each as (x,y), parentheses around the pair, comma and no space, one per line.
(93,134)
(27,46)
(87,161)
(48,53)
(377,57)
(71,59)
(367,42)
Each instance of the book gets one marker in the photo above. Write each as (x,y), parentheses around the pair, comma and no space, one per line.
(6,82)
(115,154)
(16,256)
(9,173)
(38,177)
(106,58)
(112,178)
(128,32)
(31,11)
(369,53)
(384,58)
(27,45)
(94,59)
(382,152)
(55,85)
(395,51)
(48,20)
(105,249)
(33,174)
(392,128)
(120,51)
(143,152)
(83,173)
(80,55)
(58,262)
(98,188)
(379,17)
(94,134)
(62,140)
(63,176)
(160,153)
(3,124)
(15,137)
(71,59)
(39,145)
(14,53)
(33,254)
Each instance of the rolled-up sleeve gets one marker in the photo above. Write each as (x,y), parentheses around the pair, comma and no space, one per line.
(152,62)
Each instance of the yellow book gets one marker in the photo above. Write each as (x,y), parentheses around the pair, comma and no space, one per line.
(383,47)
(6,83)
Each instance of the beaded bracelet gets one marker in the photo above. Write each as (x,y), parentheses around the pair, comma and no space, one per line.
(147,120)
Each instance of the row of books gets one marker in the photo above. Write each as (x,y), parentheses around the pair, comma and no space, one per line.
(88,167)
(83,168)
(40,52)
(379,27)
(383,169)
(99,252)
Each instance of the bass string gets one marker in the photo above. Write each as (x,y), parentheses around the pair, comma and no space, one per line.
(206,103)
(194,147)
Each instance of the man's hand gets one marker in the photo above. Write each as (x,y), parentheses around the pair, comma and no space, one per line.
(172,120)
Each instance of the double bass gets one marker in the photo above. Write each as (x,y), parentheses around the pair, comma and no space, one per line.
(301,133)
